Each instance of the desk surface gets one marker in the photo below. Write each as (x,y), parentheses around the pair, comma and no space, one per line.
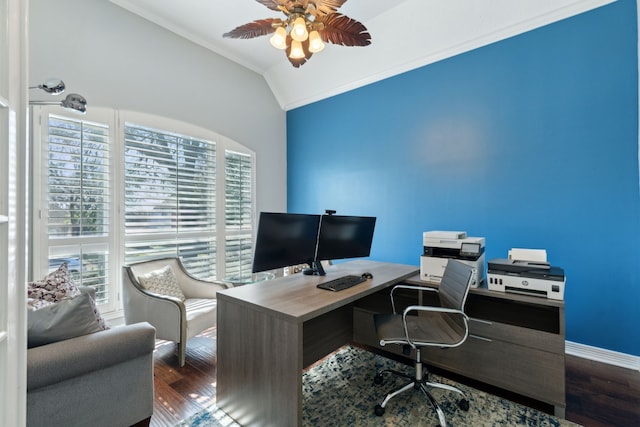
(296,297)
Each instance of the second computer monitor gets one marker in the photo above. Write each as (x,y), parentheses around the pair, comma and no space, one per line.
(343,237)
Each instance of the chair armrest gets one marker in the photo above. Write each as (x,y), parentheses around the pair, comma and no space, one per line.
(62,360)
(193,287)
(412,287)
(432,309)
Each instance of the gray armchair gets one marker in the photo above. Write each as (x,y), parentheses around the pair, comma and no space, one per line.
(175,320)
(102,379)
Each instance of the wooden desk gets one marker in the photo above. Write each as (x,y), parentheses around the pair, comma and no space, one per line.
(269,331)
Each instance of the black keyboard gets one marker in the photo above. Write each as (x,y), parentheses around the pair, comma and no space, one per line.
(341,283)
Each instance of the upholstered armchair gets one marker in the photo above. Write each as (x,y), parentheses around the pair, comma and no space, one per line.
(162,293)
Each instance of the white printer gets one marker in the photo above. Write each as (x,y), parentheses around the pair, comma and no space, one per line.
(441,246)
(527,272)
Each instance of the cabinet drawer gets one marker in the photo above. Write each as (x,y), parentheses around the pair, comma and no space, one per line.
(540,340)
(530,372)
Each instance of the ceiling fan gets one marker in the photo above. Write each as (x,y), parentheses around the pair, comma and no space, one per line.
(307,26)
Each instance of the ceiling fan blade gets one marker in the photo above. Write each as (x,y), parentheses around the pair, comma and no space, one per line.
(342,30)
(258,28)
(273,4)
(326,7)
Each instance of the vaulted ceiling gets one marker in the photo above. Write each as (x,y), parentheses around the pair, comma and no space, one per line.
(406,34)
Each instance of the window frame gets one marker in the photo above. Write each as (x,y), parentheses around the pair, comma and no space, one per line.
(116,120)
(40,240)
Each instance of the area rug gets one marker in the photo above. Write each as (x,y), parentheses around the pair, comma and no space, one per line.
(340,391)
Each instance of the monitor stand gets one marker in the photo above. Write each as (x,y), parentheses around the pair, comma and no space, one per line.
(315,269)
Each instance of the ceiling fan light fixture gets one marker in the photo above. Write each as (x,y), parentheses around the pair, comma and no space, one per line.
(315,42)
(296,50)
(307,26)
(299,29)
(279,38)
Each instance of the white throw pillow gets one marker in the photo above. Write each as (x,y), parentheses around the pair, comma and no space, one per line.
(162,282)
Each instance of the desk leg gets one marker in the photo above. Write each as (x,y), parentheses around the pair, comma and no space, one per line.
(259,372)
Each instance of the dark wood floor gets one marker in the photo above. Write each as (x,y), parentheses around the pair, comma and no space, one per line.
(598,394)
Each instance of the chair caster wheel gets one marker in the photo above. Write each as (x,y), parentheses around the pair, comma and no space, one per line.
(377,379)
(463,404)
(379,410)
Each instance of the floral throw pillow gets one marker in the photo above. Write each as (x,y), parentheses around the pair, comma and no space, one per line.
(162,281)
(35,304)
(54,287)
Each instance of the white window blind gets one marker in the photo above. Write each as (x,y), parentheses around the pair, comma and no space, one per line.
(121,187)
(170,198)
(79,200)
(238,215)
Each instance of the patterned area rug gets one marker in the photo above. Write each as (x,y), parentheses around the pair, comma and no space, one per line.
(340,391)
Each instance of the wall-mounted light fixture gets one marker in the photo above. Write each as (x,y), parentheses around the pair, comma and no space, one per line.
(73,101)
(52,86)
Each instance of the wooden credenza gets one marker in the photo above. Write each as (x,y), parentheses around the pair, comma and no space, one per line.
(516,342)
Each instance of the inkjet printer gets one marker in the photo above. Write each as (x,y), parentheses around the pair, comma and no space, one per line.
(527,272)
(441,246)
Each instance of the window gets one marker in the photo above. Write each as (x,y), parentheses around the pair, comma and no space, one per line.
(79,200)
(111,195)
(170,198)
(238,214)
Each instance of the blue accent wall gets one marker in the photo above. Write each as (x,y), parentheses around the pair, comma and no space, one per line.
(531,142)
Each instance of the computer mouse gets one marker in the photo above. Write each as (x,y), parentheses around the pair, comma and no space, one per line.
(367,275)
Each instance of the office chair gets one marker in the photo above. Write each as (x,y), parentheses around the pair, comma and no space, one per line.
(427,326)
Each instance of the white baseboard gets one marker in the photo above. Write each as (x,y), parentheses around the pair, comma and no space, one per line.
(601,355)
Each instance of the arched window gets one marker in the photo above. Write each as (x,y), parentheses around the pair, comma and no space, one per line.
(117,187)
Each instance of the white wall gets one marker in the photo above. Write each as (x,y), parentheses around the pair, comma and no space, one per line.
(119,60)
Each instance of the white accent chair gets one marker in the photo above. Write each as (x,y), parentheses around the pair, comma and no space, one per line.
(174,320)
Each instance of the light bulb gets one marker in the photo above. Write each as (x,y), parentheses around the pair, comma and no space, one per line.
(299,29)
(279,38)
(296,50)
(315,42)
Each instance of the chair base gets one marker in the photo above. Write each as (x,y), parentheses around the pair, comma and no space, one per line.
(419,382)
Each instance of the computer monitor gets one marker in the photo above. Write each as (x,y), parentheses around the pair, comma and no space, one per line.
(342,237)
(285,239)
